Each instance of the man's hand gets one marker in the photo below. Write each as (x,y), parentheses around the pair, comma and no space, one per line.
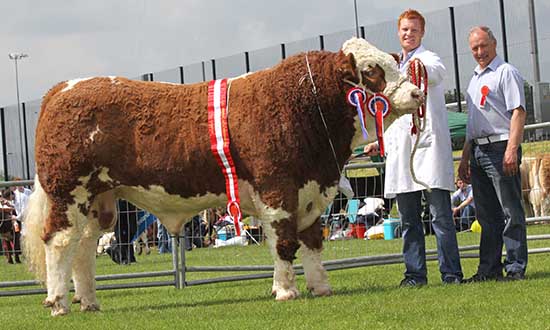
(371,149)
(510,162)
(464,170)
(456,211)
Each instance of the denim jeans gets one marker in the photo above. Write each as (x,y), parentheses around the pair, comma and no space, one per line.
(499,211)
(165,242)
(414,248)
(467,216)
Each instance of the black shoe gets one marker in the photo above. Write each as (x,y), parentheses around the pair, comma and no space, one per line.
(483,278)
(514,276)
(452,280)
(409,282)
(17,260)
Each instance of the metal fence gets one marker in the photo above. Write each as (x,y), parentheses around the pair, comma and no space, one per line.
(520,40)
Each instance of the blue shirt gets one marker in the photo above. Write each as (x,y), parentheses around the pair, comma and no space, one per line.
(460,196)
(506,93)
(404,60)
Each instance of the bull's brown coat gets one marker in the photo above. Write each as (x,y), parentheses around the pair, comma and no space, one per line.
(157,134)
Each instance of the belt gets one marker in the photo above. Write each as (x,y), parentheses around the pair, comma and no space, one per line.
(491,139)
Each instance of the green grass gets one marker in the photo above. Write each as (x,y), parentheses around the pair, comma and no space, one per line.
(363,297)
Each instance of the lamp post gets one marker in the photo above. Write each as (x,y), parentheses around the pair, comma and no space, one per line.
(15,57)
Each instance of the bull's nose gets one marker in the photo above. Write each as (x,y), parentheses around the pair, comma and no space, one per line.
(417,94)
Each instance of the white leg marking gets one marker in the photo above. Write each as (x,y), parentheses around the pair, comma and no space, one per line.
(59,254)
(284,278)
(84,269)
(315,273)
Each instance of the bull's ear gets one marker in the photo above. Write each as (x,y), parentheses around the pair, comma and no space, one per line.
(348,65)
(395,57)
(352,62)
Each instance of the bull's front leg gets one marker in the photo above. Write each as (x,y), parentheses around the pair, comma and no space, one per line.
(283,239)
(315,274)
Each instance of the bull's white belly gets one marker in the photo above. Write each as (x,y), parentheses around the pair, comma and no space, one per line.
(173,210)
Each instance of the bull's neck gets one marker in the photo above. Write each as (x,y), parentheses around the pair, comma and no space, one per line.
(337,115)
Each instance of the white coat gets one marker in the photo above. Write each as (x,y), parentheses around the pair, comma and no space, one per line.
(433,162)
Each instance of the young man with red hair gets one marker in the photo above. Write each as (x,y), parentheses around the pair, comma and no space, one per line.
(433,165)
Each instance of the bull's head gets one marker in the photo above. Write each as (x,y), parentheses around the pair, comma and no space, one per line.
(378,73)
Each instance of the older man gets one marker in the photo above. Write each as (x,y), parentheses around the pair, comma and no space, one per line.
(491,158)
(433,165)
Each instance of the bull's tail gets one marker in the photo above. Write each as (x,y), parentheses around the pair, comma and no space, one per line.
(34,247)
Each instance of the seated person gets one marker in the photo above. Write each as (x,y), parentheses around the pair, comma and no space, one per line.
(464,209)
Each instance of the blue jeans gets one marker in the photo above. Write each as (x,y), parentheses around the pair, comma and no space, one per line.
(165,243)
(499,211)
(467,216)
(414,248)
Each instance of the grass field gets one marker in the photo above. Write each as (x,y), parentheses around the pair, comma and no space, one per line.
(363,297)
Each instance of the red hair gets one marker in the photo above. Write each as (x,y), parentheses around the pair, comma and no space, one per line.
(412,14)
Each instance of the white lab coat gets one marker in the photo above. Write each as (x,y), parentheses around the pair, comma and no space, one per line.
(433,162)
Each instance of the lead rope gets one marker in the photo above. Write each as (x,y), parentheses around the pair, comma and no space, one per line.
(418,75)
(314,90)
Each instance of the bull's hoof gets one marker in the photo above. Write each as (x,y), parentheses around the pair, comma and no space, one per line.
(59,310)
(283,295)
(321,291)
(48,303)
(76,300)
(90,308)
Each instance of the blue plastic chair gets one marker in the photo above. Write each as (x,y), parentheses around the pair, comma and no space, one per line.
(351,210)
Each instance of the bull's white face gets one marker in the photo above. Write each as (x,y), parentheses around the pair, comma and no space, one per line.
(403,96)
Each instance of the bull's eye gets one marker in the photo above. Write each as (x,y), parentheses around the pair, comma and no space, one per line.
(370,73)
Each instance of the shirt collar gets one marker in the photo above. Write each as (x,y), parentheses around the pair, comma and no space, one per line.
(495,63)
(403,61)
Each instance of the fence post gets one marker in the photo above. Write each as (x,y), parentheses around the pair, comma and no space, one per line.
(213,61)
(175,261)
(182,75)
(247,62)
(455,58)
(4,151)
(182,259)
(503,28)
(26,140)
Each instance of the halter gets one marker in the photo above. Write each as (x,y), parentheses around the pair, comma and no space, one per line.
(314,91)
(378,104)
(419,77)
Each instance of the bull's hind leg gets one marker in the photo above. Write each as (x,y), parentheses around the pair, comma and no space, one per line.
(101,216)
(283,240)
(60,249)
(315,273)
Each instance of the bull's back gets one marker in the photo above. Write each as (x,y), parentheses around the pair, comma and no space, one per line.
(139,133)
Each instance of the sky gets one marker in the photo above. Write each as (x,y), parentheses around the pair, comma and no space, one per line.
(67,39)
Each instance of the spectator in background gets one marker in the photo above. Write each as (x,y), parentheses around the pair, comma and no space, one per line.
(10,228)
(122,252)
(195,231)
(464,207)
(21,199)
(164,241)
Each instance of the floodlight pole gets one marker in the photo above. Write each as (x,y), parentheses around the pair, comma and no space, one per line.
(15,57)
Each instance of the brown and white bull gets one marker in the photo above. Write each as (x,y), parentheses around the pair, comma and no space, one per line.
(535,182)
(100,139)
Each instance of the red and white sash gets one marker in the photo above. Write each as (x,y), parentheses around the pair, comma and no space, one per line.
(219,144)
